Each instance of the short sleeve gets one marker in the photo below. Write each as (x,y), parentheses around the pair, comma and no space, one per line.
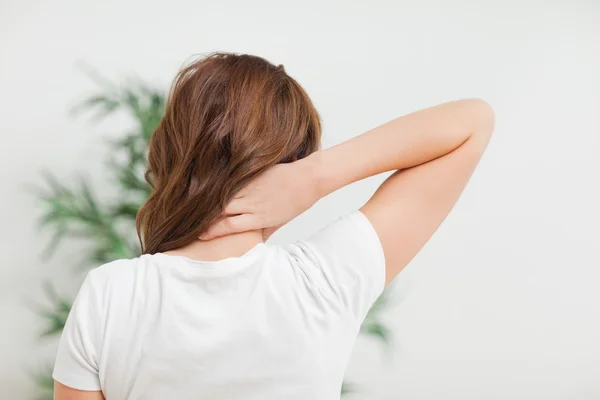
(76,360)
(351,261)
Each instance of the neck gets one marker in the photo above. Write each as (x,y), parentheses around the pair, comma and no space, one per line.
(234,245)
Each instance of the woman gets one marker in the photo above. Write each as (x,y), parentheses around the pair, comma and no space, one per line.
(209,311)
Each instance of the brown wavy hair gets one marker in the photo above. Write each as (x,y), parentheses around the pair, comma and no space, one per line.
(229,117)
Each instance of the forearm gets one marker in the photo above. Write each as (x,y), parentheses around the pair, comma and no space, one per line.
(402,143)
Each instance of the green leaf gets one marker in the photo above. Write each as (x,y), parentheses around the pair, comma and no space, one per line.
(126,210)
(376,329)
(59,233)
(44,382)
(102,104)
(348,388)
(56,315)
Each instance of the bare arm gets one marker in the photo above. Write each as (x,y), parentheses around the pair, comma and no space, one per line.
(62,392)
(434,152)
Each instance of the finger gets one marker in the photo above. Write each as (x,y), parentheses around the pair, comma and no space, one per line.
(236,206)
(230,225)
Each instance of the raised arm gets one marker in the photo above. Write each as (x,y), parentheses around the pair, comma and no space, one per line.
(434,152)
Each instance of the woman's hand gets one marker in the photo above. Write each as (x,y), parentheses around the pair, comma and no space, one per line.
(270,200)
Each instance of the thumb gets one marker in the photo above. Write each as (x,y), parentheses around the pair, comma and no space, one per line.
(230,225)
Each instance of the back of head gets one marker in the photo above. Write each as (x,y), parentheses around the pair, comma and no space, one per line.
(228,118)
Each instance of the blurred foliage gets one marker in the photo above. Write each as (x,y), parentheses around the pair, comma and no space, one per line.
(372,325)
(45,383)
(74,211)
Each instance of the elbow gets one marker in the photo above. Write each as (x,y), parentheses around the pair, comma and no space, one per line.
(486,116)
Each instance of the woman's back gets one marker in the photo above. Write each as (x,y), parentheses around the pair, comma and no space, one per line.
(277,322)
(235,157)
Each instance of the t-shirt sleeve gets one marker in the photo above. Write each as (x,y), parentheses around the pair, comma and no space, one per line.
(351,263)
(76,360)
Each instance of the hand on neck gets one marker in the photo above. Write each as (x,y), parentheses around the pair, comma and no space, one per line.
(234,245)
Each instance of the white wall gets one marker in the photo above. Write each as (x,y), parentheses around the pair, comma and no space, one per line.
(504,301)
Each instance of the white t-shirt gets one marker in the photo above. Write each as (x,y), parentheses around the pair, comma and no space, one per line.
(277,323)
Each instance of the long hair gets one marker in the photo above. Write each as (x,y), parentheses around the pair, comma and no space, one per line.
(229,117)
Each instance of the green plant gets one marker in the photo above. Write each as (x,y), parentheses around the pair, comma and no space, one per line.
(74,212)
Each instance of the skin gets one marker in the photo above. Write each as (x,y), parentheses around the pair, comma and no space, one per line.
(433,151)
(62,392)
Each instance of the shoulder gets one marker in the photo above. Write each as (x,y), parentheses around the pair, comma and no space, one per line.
(114,270)
(344,259)
(117,277)
(350,238)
